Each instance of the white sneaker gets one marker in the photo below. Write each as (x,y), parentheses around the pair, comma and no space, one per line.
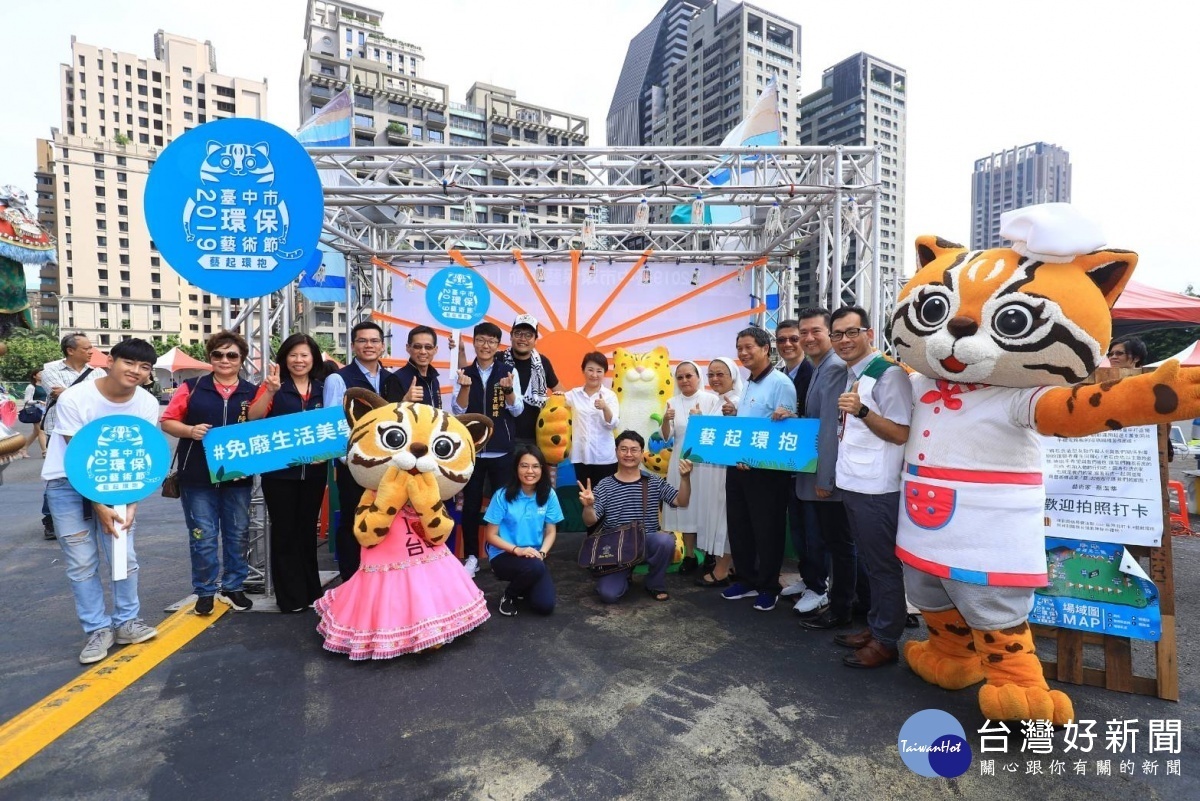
(98,643)
(810,602)
(794,589)
(471,566)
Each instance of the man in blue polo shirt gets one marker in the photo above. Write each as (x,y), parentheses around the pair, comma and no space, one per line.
(757,499)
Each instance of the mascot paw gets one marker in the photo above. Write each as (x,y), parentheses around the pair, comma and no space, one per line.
(1013,702)
(948,671)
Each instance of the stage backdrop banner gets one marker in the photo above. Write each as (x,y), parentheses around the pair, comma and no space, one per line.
(789,444)
(584,305)
(274,443)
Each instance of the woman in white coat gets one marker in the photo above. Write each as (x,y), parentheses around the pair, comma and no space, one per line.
(708,483)
(688,401)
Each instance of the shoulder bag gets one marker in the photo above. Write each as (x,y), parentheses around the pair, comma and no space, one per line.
(50,404)
(613,550)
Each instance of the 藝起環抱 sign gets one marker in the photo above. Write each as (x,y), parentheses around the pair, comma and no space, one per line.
(789,444)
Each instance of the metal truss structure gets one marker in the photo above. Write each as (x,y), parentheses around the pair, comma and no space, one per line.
(827,200)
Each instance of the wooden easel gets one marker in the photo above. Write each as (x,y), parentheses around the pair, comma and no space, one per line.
(1117,673)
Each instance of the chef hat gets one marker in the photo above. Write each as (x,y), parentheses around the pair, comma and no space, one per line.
(1050,232)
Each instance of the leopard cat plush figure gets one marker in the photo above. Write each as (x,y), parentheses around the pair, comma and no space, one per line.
(1000,340)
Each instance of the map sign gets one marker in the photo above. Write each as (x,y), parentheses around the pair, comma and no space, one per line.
(789,444)
(457,297)
(235,207)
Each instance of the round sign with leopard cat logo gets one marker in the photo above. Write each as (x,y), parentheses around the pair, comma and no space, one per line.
(235,207)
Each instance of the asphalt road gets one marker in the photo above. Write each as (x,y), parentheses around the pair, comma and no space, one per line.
(693,698)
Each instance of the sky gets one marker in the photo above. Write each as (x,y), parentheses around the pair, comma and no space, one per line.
(1109,84)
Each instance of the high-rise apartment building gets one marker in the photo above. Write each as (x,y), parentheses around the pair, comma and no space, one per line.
(395,105)
(119,111)
(733,50)
(862,102)
(1012,179)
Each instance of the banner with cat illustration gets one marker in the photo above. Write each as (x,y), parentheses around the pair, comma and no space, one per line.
(581,305)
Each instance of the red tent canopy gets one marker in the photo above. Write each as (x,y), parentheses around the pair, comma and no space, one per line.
(1142,308)
(99,358)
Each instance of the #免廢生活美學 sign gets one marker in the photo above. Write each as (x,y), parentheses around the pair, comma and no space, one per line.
(789,444)
(274,443)
(235,207)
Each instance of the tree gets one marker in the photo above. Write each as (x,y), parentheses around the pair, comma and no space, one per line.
(26,354)
(1164,342)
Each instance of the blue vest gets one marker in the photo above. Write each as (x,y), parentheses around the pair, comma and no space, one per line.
(206,406)
(490,400)
(288,401)
(353,376)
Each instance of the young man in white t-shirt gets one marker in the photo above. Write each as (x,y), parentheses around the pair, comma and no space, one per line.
(83,528)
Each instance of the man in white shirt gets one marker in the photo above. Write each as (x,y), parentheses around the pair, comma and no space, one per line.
(56,377)
(85,528)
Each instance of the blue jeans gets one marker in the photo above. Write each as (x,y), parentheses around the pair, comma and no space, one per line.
(81,540)
(212,513)
(660,548)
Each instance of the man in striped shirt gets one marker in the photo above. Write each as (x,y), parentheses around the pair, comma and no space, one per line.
(617,500)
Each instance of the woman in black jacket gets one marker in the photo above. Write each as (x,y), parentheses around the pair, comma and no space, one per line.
(294,494)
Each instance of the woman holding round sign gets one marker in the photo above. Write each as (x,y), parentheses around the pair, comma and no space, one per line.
(294,494)
(216,511)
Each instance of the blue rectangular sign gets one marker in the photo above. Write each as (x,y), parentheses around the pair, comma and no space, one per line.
(1089,591)
(789,444)
(274,443)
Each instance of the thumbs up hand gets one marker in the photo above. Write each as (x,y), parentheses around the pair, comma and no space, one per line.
(695,409)
(849,401)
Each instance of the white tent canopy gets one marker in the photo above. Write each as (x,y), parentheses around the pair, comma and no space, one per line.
(177,365)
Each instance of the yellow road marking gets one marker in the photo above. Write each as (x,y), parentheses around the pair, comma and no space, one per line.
(48,719)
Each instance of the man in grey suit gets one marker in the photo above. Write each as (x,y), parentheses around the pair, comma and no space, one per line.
(831,609)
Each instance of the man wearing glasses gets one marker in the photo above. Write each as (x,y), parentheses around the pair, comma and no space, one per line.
(490,387)
(534,372)
(416,381)
(806,542)
(364,372)
(876,408)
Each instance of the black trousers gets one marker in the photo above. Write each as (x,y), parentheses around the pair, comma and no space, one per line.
(756,503)
(839,544)
(494,471)
(295,510)
(348,551)
(873,520)
(596,472)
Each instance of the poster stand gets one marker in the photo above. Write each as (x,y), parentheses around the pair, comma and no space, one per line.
(1117,671)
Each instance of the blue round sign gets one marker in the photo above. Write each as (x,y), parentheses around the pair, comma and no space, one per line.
(457,297)
(235,207)
(117,459)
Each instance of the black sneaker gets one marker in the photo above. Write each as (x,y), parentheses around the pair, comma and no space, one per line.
(204,606)
(508,606)
(48,527)
(236,599)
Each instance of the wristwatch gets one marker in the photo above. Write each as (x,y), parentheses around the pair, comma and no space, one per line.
(862,412)
(508,390)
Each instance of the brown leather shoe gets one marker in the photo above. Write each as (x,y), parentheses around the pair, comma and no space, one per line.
(855,641)
(872,655)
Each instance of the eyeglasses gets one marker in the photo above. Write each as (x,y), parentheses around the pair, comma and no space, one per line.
(523,335)
(629,451)
(368,342)
(711,376)
(225,355)
(422,346)
(486,342)
(788,340)
(530,467)
(853,333)
(1117,354)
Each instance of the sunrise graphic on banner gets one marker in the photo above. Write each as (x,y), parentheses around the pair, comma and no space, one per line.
(695,311)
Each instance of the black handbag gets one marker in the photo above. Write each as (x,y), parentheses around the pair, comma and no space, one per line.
(31,414)
(170,485)
(616,549)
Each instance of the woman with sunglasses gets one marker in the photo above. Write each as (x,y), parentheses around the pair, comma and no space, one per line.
(217,515)
(293,384)
(522,522)
(712,535)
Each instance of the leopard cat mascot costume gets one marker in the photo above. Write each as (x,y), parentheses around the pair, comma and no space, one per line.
(410,593)
(1000,340)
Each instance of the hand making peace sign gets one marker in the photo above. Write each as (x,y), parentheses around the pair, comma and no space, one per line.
(586,498)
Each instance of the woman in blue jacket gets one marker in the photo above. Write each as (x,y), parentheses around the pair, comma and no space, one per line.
(294,494)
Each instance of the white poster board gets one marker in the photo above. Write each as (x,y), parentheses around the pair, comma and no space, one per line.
(1105,488)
